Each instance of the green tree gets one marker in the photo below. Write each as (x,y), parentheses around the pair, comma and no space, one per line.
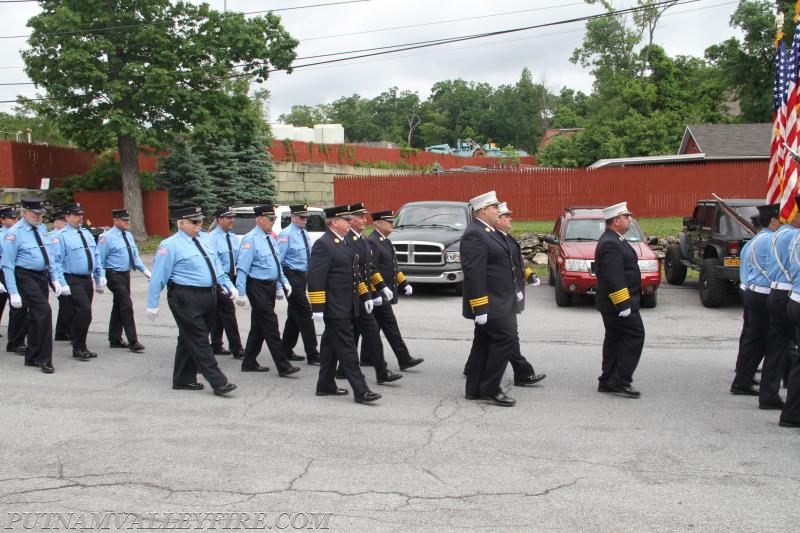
(187,179)
(305,116)
(255,174)
(138,72)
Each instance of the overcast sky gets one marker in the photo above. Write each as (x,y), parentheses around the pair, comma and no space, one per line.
(685,29)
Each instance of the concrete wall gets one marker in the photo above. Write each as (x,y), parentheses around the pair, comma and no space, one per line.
(312,183)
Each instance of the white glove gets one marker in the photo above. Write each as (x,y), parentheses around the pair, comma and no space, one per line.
(534,280)
(481,319)
(151,313)
(15,300)
(61,290)
(377,301)
(408,290)
(287,289)
(626,312)
(368,306)
(520,296)
(2,288)
(388,293)
(102,281)
(279,294)
(233,293)
(316,316)
(241,301)
(99,288)
(147,273)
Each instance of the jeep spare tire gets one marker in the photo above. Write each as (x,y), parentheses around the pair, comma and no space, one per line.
(713,290)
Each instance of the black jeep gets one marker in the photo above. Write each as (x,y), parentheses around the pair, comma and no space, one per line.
(710,243)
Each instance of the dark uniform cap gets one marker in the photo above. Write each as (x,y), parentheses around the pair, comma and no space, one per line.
(73,209)
(766,212)
(8,212)
(264,210)
(59,215)
(358,209)
(189,213)
(299,209)
(338,211)
(121,214)
(388,216)
(754,219)
(34,204)
(223,212)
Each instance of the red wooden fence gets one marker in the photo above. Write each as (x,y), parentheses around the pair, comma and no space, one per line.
(541,194)
(23,165)
(98,205)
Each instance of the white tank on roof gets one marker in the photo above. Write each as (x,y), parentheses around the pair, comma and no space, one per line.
(304,134)
(328,134)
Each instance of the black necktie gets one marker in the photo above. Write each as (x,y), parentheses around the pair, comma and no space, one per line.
(230,256)
(41,246)
(208,261)
(275,257)
(128,246)
(86,249)
(305,243)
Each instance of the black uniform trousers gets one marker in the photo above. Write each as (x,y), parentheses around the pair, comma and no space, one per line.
(80,298)
(791,411)
(780,336)
(387,322)
(263,325)
(494,344)
(226,321)
(194,309)
(119,283)
(371,344)
(17,321)
(754,341)
(622,348)
(338,344)
(299,321)
(64,317)
(33,288)
(521,367)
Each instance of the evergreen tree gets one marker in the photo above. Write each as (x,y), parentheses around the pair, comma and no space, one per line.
(185,177)
(255,174)
(222,164)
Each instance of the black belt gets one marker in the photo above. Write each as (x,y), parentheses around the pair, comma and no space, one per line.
(249,279)
(287,269)
(31,271)
(84,276)
(117,271)
(212,289)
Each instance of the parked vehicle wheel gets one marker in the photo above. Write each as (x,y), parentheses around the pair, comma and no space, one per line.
(674,270)
(649,301)
(713,291)
(551,279)
(563,298)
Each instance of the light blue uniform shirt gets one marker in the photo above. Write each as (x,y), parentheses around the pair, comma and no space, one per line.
(744,264)
(3,231)
(292,250)
(759,257)
(71,253)
(20,249)
(114,252)
(219,243)
(794,261)
(779,254)
(256,260)
(179,260)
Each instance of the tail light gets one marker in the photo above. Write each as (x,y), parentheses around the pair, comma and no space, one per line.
(733,248)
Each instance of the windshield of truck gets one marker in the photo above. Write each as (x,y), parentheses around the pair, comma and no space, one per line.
(588,229)
(729,228)
(448,216)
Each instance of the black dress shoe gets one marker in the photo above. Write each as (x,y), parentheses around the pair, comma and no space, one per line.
(289,371)
(755,382)
(81,355)
(787,424)
(47,368)
(62,337)
(118,344)
(136,347)
(501,399)
(337,392)
(31,363)
(188,386)
(472,396)
(294,357)
(771,405)
(388,377)
(627,391)
(602,387)
(257,368)
(530,380)
(222,351)
(414,361)
(92,355)
(17,349)
(238,354)
(368,397)
(224,389)
(744,390)
(312,361)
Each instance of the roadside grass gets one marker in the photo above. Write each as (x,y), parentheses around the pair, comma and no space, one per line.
(656,227)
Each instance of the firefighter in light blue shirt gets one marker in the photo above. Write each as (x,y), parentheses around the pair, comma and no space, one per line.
(17,317)
(226,245)
(188,267)
(744,347)
(294,250)
(28,264)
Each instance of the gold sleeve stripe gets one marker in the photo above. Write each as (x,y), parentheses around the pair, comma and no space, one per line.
(620,296)
(372,288)
(362,288)
(401,277)
(316,297)
(475,302)
(376,278)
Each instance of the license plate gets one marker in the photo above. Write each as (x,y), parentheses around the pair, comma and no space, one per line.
(731,261)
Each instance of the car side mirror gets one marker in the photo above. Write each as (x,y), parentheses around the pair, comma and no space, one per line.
(550,239)
(689,222)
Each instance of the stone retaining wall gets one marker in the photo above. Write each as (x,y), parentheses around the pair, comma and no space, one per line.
(534,249)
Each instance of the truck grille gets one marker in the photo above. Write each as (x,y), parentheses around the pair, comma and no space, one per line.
(418,253)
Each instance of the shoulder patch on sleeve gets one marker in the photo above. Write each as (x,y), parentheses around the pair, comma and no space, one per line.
(247,245)
(162,250)
(284,239)
(55,240)
(10,237)
(102,240)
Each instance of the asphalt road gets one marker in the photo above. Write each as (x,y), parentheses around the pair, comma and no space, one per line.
(111,435)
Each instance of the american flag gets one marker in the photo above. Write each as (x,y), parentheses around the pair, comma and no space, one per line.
(778,138)
(791,130)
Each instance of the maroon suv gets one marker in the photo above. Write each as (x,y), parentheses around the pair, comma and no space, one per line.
(570,255)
